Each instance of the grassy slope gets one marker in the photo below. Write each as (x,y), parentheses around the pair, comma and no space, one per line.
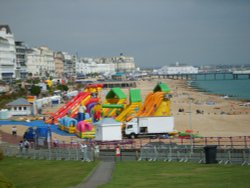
(160,174)
(41,173)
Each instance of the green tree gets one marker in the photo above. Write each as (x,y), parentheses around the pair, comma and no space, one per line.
(1,155)
(22,92)
(35,90)
(33,80)
(79,86)
(36,80)
(62,87)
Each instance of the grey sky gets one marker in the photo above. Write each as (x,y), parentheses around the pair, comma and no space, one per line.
(155,32)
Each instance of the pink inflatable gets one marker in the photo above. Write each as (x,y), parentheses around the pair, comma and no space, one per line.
(83,126)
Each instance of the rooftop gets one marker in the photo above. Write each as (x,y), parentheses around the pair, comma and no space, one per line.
(19,102)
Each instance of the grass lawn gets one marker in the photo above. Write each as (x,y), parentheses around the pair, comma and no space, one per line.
(41,173)
(162,174)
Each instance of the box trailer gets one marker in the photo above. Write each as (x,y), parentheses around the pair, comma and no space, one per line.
(149,126)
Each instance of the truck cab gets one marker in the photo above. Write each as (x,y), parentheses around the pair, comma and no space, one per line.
(131,129)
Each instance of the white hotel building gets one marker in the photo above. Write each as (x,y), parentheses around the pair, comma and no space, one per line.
(40,62)
(21,59)
(33,61)
(178,69)
(7,53)
(69,65)
(88,66)
(105,65)
(122,63)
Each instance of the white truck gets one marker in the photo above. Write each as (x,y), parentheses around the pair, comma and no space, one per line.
(149,126)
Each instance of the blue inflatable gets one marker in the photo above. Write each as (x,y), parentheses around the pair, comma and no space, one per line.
(39,135)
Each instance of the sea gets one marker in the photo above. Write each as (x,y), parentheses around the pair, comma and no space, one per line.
(236,89)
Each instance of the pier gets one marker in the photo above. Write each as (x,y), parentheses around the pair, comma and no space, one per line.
(207,76)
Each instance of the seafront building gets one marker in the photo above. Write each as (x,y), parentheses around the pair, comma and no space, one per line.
(105,65)
(48,60)
(122,63)
(40,62)
(33,62)
(69,65)
(7,54)
(89,65)
(21,60)
(178,69)
(17,61)
(59,64)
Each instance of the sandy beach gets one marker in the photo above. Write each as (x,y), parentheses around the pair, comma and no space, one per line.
(220,117)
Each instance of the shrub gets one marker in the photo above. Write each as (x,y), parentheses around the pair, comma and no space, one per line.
(1,155)
(35,90)
(62,87)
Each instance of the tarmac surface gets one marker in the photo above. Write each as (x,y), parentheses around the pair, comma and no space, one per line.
(36,123)
(100,175)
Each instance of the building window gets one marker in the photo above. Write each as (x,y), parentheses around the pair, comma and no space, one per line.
(24,108)
(15,108)
(20,108)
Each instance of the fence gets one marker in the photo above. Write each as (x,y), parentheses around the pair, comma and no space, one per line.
(234,142)
(150,152)
(55,153)
(186,153)
(230,150)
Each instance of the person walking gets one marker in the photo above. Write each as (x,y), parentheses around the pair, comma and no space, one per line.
(21,145)
(84,150)
(55,142)
(96,151)
(26,145)
(14,131)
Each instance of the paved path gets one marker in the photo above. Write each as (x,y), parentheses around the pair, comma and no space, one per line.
(101,175)
(8,138)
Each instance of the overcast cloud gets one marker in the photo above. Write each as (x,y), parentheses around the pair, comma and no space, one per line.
(154,32)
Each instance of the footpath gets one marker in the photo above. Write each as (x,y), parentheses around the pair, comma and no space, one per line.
(102,174)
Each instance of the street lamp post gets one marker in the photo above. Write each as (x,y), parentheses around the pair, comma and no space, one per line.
(190,122)
(190,114)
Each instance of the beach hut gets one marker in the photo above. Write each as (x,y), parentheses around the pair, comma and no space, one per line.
(108,129)
(55,100)
(4,114)
(20,107)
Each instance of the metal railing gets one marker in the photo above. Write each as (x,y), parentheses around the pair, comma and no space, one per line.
(230,150)
(55,153)
(236,142)
(185,153)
